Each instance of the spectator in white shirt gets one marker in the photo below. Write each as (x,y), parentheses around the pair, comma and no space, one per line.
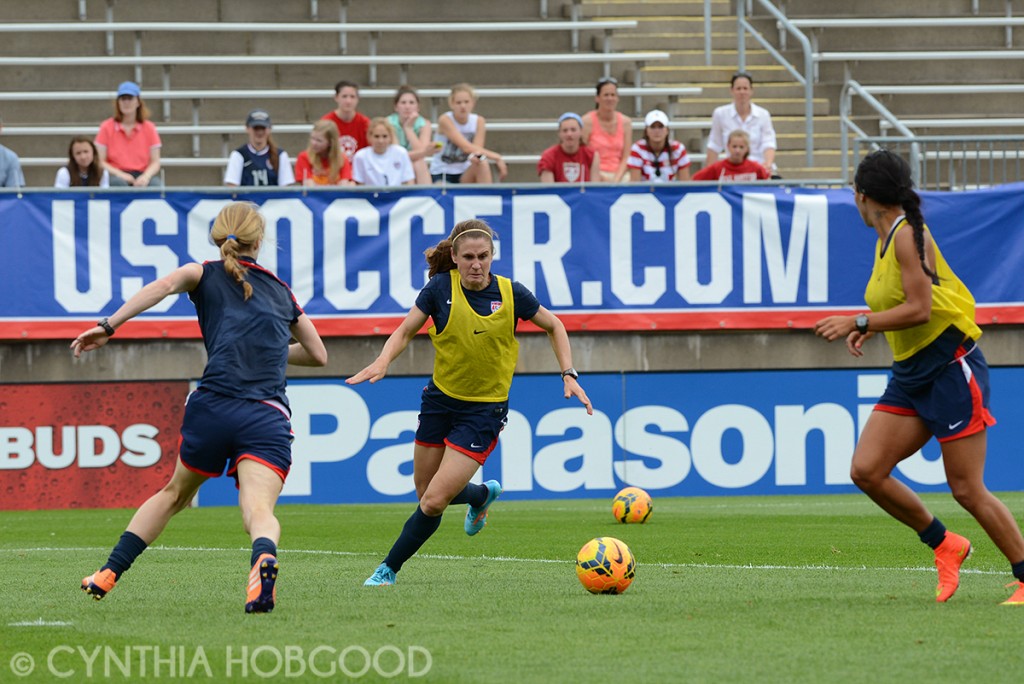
(83,167)
(745,115)
(384,162)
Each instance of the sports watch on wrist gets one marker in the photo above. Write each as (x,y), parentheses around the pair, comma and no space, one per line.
(571,372)
(105,324)
(862,323)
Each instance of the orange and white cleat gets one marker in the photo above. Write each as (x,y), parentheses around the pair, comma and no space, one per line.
(1017,599)
(261,592)
(99,583)
(949,556)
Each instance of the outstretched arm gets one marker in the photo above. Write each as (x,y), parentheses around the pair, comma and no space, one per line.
(395,345)
(549,323)
(183,279)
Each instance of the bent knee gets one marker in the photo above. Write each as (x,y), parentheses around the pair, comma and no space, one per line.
(433,505)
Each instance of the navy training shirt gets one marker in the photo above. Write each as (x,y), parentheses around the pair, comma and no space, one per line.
(246,341)
(435,299)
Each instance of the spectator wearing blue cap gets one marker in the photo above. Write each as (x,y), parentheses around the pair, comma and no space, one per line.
(260,161)
(570,161)
(127,143)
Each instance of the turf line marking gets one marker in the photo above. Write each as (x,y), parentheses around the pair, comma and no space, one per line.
(513,559)
(40,623)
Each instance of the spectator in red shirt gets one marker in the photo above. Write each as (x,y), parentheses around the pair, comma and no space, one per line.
(323,162)
(570,161)
(736,167)
(352,126)
(128,144)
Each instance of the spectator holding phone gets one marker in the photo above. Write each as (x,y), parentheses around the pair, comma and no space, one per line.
(462,134)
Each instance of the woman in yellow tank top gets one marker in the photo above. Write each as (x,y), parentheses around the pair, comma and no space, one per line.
(939,384)
(465,405)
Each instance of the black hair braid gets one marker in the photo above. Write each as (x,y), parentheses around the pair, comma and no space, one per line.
(911,204)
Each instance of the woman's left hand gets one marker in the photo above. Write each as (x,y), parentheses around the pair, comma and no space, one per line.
(573,389)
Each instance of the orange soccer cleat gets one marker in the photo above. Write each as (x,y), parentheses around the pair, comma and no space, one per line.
(1017,599)
(262,593)
(949,556)
(99,583)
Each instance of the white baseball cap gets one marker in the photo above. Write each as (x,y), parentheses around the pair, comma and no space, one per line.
(656,116)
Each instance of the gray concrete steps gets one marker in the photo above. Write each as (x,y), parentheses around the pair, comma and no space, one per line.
(648,8)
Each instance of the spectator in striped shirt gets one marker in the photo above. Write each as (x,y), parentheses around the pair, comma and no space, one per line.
(656,158)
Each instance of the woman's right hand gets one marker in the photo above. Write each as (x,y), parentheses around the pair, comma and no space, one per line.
(374,372)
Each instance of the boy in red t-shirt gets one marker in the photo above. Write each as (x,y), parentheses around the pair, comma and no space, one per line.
(736,167)
(352,126)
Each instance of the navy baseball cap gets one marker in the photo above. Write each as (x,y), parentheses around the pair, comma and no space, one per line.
(258,118)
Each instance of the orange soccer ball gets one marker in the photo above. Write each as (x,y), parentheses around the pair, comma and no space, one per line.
(632,505)
(605,566)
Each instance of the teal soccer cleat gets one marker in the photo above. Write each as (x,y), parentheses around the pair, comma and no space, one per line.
(383,576)
(476,518)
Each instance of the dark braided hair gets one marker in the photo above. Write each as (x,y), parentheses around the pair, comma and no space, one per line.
(885,177)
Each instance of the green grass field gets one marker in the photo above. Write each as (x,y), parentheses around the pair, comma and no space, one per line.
(757,589)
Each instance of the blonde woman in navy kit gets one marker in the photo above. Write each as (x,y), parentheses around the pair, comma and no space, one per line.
(465,405)
(239,418)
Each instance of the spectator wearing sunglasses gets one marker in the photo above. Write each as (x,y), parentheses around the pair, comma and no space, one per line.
(609,132)
(656,158)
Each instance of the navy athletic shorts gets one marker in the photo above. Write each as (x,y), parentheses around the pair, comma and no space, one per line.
(470,427)
(219,431)
(955,405)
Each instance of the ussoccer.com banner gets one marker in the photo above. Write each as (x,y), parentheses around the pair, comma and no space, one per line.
(604,258)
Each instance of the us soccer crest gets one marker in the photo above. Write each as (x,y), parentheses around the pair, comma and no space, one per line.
(572,171)
(495,306)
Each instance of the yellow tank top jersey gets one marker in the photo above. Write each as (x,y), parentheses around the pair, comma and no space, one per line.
(952,302)
(475,356)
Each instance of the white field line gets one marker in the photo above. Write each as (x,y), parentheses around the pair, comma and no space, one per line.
(39,622)
(512,559)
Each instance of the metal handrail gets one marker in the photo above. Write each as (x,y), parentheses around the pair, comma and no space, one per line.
(850,88)
(806,79)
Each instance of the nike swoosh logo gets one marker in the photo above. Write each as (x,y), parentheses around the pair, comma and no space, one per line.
(476,446)
(480,332)
(953,426)
(448,302)
(619,559)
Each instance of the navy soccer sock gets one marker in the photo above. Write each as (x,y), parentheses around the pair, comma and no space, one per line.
(933,534)
(1018,570)
(473,494)
(260,546)
(417,530)
(129,547)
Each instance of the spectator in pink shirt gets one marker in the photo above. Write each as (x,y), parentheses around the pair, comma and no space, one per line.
(128,144)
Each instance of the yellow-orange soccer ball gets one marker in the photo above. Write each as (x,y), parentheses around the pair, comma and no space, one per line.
(632,505)
(605,566)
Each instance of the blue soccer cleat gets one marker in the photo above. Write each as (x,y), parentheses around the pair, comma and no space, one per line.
(383,576)
(476,518)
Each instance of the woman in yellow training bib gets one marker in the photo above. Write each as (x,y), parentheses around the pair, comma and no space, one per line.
(939,385)
(465,404)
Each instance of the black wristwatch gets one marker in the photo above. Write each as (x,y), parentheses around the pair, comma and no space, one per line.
(105,324)
(571,372)
(862,323)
